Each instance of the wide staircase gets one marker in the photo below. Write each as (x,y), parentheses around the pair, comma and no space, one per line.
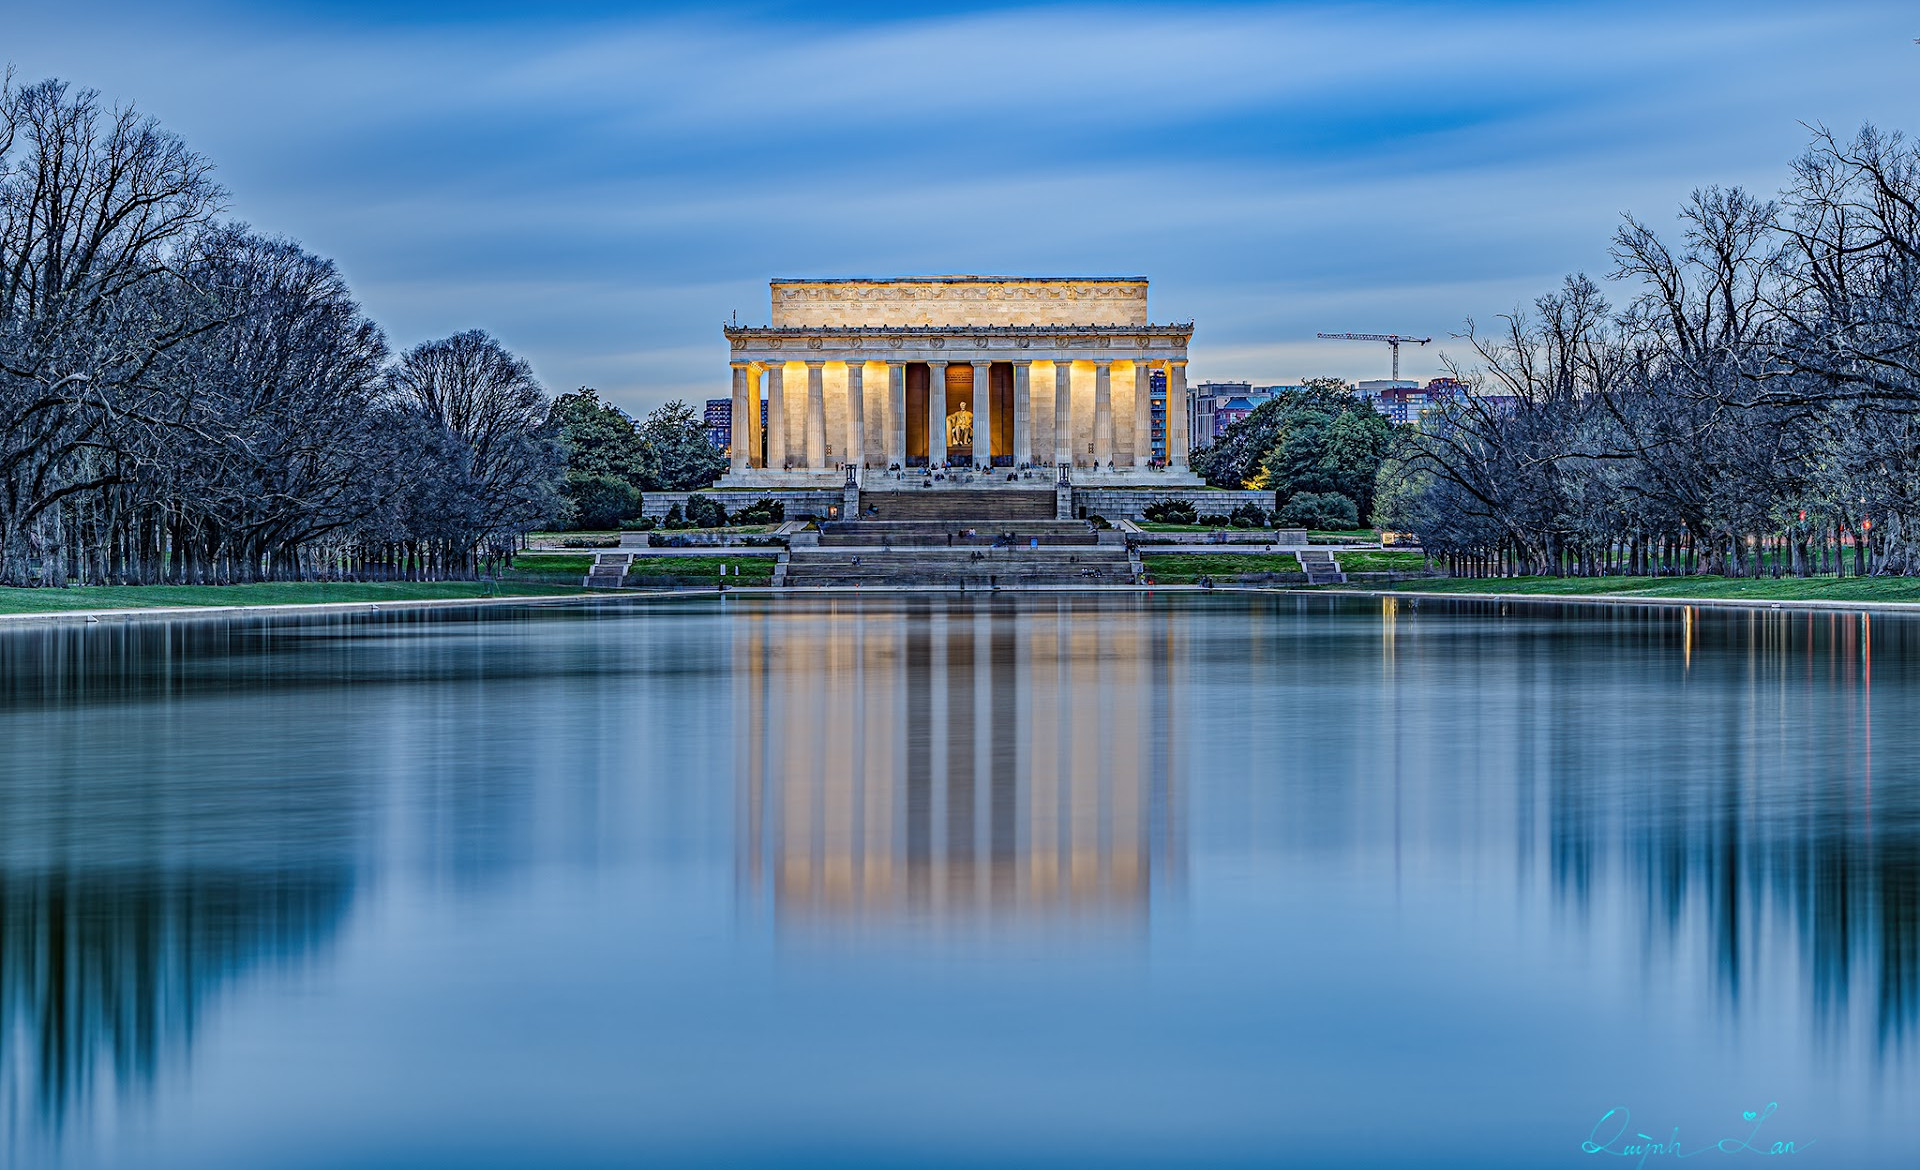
(960,567)
(956,533)
(982,505)
(1321,568)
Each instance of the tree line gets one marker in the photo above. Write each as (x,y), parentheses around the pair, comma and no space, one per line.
(1752,408)
(186,400)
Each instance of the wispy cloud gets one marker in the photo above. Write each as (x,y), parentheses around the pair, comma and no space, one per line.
(602,188)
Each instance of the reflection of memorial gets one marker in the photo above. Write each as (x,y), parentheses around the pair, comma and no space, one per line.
(957,759)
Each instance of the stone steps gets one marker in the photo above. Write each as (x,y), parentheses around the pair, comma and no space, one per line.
(984,505)
(950,534)
(1320,567)
(979,568)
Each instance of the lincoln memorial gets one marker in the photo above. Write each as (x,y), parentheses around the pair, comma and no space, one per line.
(958,374)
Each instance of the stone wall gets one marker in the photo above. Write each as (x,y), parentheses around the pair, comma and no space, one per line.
(1131,503)
(960,301)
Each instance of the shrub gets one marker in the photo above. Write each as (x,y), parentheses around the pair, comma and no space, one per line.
(640,524)
(761,511)
(676,519)
(1248,515)
(601,501)
(1099,521)
(1170,512)
(705,513)
(1319,510)
(1213,520)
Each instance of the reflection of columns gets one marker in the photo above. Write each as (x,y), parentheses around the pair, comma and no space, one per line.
(896,414)
(1142,413)
(737,440)
(936,414)
(1102,413)
(983,414)
(856,413)
(1177,413)
(816,416)
(777,416)
(1022,417)
(1062,410)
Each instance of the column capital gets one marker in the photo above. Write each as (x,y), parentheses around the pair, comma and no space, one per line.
(896,363)
(942,365)
(981,362)
(1022,362)
(816,363)
(1180,361)
(739,365)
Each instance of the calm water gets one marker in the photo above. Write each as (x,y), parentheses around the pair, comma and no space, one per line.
(946,881)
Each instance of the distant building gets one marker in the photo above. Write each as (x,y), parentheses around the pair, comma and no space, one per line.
(1407,402)
(719,422)
(1204,409)
(1218,405)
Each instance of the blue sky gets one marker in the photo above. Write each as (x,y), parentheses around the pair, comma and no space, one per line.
(601,185)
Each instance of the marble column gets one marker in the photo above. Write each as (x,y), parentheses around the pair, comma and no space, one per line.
(1022,414)
(1062,411)
(1142,414)
(983,414)
(896,414)
(857,413)
(776,416)
(1102,413)
(816,416)
(936,414)
(737,440)
(756,457)
(1177,437)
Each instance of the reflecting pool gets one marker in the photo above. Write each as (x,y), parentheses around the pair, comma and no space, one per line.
(962,881)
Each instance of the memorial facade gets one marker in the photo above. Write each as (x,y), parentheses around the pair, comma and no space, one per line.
(981,377)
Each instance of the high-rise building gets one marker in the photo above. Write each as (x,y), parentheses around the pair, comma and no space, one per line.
(719,422)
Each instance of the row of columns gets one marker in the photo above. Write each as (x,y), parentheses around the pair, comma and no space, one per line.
(746,414)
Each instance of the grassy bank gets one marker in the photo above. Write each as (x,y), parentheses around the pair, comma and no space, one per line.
(1186,568)
(268,593)
(1826,588)
(701,570)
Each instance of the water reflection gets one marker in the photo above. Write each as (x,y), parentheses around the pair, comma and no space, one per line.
(953,759)
(1712,770)
(102,974)
(1419,853)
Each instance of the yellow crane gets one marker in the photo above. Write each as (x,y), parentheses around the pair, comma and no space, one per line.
(1392,339)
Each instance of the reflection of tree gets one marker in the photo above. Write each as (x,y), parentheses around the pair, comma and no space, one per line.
(1760,830)
(104,973)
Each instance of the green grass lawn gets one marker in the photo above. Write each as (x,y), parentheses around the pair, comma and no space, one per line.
(13,600)
(752,570)
(1382,562)
(1732,589)
(560,566)
(1186,568)
(1344,536)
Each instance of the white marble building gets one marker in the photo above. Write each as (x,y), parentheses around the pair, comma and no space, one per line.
(957,372)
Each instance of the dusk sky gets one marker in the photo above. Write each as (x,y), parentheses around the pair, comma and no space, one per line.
(602,185)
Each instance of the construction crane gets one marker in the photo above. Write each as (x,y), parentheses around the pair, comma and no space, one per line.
(1392,339)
